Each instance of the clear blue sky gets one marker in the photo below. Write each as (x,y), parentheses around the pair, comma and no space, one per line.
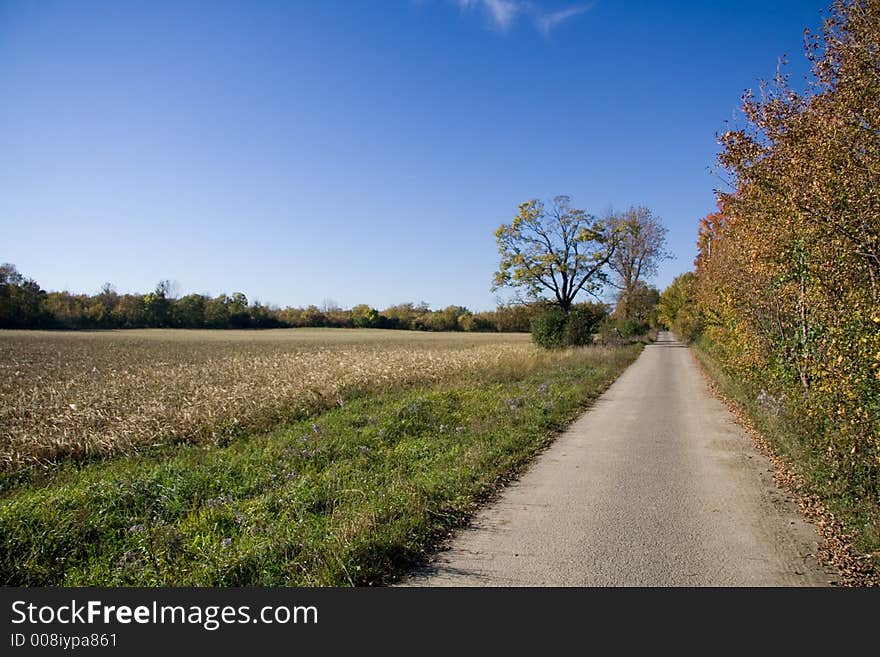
(356,151)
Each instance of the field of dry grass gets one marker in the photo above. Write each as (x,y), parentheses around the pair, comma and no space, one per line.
(93,393)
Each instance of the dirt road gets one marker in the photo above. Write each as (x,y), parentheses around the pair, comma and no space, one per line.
(655,485)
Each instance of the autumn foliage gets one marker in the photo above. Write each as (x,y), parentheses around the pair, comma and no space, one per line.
(787,283)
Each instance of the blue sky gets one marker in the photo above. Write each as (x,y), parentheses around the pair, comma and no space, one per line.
(357,151)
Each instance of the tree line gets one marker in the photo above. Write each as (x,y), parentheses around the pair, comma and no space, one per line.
(554,248)
(25,305)
(786,288)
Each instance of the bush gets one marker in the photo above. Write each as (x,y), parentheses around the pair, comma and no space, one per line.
(582,322)
(613,331)
(548,328)
(630,328)
(553,329)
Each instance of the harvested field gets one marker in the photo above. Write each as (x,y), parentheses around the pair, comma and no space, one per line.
(111,392)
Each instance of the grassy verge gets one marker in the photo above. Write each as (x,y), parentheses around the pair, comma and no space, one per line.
(350,496)
(850,522)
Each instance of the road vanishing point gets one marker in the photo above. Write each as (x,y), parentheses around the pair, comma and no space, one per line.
(655,485)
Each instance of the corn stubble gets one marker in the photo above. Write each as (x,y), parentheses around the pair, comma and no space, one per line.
(76,395)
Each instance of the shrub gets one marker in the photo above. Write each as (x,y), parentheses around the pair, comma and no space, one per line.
(582,322)
(553,328)
(548,328)
(613,331)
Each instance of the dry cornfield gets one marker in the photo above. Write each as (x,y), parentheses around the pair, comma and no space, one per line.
(82,394)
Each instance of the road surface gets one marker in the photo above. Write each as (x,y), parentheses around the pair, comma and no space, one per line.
(655,485)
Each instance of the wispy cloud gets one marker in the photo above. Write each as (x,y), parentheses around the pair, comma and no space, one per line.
(501,14)
(545,22)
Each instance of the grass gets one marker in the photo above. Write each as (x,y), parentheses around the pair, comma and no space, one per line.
(349,495)
(793,437)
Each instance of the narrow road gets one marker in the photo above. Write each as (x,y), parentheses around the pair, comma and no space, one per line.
(656,485)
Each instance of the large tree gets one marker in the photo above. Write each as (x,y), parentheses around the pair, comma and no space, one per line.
(556,251)
(641,245)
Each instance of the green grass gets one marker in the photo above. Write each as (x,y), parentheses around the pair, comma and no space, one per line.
(795,438)
(348,497)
